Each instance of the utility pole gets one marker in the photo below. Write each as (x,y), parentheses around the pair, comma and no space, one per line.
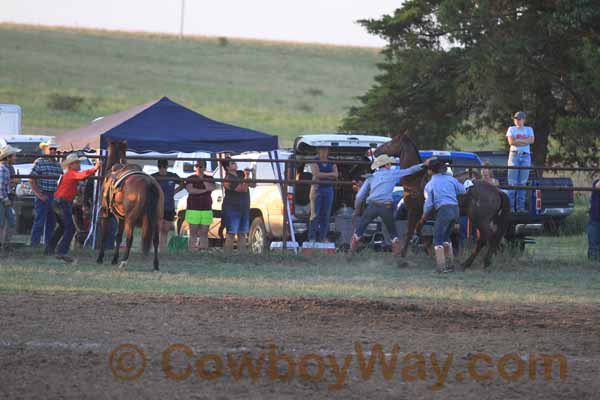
(182,19)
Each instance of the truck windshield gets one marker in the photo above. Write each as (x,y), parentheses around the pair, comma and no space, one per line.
(31,148)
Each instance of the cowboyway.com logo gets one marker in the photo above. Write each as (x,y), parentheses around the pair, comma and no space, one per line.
(128,362)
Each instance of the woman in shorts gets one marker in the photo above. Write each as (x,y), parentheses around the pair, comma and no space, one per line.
(199,213)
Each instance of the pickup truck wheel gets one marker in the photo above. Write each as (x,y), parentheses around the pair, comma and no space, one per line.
(258,238)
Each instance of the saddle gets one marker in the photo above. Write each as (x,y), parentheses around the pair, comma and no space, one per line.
(113,182)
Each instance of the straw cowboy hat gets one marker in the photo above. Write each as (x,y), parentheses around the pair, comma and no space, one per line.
(382,160)
(70,159)
(7,151)
(50,143)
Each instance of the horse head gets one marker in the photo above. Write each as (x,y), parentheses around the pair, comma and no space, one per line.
(403,147)
(117,153)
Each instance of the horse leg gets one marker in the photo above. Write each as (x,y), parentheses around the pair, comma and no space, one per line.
(155,242)
(103,234)
(492,246)
(486,235)
(411,224)
(469,261)
(484,232)
(118,241)
(129,233)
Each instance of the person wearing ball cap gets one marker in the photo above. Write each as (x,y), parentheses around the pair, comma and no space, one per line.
(520,138)
(377,191)
(63,206)
(441,194)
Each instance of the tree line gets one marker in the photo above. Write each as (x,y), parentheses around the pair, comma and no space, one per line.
(465,66)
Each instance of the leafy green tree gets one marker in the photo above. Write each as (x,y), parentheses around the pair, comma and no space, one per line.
(460,65)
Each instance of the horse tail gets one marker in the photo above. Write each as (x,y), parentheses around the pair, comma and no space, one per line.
(152,215)
(502,216)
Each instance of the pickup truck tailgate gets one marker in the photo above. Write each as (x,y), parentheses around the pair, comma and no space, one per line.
(555,202)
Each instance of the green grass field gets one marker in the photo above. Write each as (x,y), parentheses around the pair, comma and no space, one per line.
(554,271)
(279,88)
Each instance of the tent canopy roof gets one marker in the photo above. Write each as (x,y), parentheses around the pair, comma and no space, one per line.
(165,126)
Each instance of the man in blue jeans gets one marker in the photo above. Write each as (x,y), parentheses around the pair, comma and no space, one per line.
(593,228)
(441,194)
(377,190)
(44,217)
(519,137)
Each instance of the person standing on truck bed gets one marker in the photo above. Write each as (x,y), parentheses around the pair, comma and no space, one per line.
(519,137)
(167,183)
(377,190)
(321,196)
(593,227)
(441,194)
(44,189)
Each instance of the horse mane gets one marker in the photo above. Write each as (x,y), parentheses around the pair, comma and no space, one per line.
(409,142)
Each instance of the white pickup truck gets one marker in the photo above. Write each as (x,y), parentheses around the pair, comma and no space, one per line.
(266,200)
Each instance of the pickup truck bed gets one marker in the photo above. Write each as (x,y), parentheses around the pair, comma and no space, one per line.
(545,207)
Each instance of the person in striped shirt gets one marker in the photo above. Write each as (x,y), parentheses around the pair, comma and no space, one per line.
(44,189)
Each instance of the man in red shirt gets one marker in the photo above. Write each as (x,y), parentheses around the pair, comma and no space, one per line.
(63,206)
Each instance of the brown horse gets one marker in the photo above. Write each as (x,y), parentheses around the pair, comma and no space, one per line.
(136,201)
(414,185)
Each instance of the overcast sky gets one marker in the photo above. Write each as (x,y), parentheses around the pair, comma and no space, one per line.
(322,21)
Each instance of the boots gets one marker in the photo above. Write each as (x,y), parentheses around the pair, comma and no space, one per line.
(229,242)
(440,259)
(396,247)
(242,243)
(354,243)
(449,255)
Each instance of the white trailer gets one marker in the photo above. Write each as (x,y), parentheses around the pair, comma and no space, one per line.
(10,119)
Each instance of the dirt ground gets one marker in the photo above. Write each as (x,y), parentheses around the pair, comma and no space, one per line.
(59,346)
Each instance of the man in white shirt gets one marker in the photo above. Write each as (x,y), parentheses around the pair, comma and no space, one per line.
(519,137)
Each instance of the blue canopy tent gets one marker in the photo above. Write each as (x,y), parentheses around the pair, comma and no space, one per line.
(165,126)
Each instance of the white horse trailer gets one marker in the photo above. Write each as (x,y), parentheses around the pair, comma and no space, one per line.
(10,119)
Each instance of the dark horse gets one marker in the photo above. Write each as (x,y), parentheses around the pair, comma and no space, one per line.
(135,199)
(487,207)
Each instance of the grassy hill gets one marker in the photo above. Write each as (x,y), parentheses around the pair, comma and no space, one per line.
(65,78)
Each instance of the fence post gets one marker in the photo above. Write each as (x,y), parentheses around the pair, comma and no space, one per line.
(285,215)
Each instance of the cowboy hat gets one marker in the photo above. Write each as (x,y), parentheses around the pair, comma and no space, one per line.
(7,151)
(50,143)
(70,159)
(382,160)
